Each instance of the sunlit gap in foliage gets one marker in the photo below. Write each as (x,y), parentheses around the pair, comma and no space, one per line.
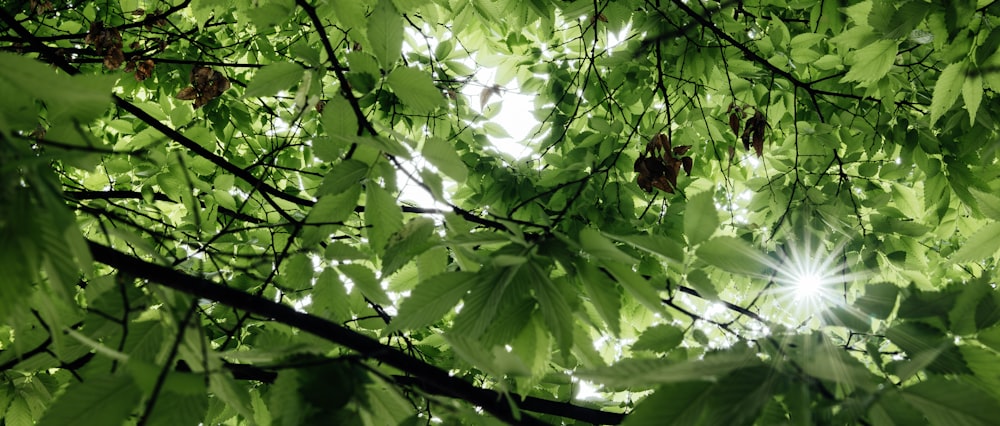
(810,277)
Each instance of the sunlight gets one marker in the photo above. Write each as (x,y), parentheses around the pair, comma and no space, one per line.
(810,277)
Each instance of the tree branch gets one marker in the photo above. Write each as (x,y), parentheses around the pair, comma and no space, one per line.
(433,379)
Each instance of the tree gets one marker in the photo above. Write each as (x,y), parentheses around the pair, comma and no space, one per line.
(292,212)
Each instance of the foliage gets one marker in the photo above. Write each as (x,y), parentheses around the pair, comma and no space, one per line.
(293,212)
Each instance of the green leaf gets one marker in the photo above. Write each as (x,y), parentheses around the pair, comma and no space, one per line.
(872,62)
(383,216)
(364,280)
(341,251)
(555,311)
(917,338)
(443,156)
(984,243)
(81,97)
(655,244)
(414,238)
(635,285)
(846,317)
(338,118)
(604,295)
(415,89)
(329,297)
(952,401)
(334,209)
(644,372)
(879,300)
(734,255)
(699,281)
(972,94)
(274,78)
(601,248)
(174,408)
(100,400)
(297,272)
(988,204)
(432,299)
(342,177)
(700,218)
(385,33)
(682,403)
(660,338)
(946,90)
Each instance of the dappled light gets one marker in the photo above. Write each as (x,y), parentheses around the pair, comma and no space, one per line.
(401,212)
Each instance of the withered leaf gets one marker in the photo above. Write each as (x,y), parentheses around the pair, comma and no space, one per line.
(658,166)
(747,131)
(487,93)
(187,94)
(734,123)
(144,69)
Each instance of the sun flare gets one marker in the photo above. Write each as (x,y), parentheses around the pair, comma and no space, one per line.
(810,277)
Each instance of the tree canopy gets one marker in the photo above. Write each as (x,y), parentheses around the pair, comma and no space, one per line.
(295,212)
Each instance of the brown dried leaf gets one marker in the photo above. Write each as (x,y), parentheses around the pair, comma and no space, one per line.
(681,150)
(486,94)
(187,94)
(734,123)
(688,164)
(144,69)
(758,139)
(747,131)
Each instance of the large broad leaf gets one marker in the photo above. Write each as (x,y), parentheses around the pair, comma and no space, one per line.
(972,94)
(734,255)
(681,403)
(100,400)
(329,297)
(644,372)
(660,338)
(415,89)
(879,300)
(604,295)
(655,244)
(82,97)
(443,156)
(342,176)
(953,401)
(980,245)
(872,62)
(385,33)
(700,218)
(339,119)
(641,289)
(382,215)
(917,338)
(946,90)
(273,78)
(552,302)
(432,299)
(364,279)
(333,209)
(601,248)
(414,238)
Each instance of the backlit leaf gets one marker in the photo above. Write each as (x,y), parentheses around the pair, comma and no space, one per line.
(273,78)
(946,91)
(700,218)
(432,299)
(385,33)
(415,89)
